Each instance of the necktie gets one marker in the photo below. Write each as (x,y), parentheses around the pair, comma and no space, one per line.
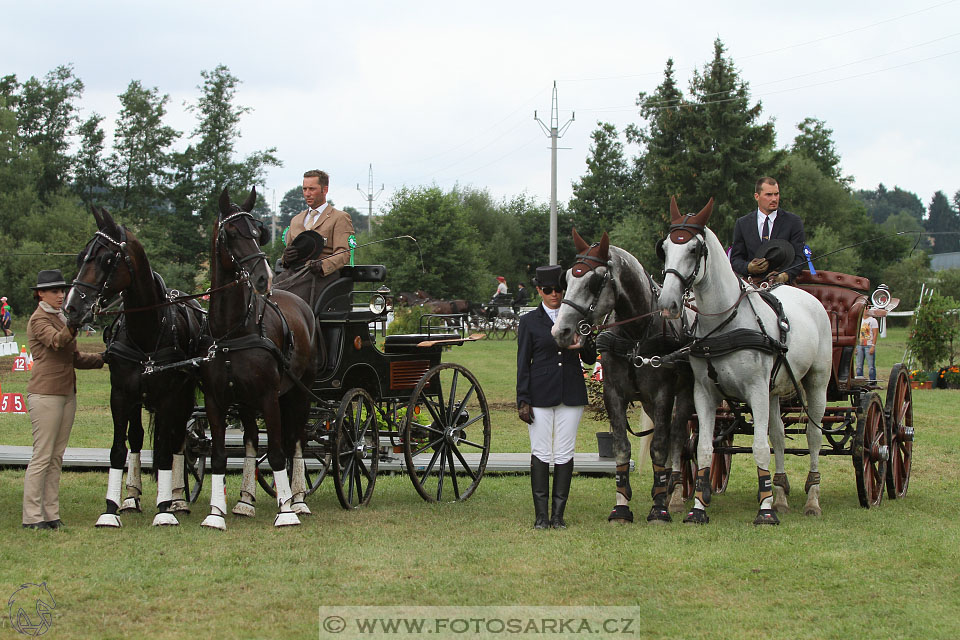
(766,229)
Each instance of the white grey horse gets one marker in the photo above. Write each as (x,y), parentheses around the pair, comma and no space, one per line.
(737,348)
(608,280)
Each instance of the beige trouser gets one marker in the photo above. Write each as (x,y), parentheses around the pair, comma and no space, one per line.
(52,418)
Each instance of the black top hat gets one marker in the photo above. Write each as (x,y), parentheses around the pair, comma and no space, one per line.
(779,254)
(548,276)
(309,244)
(50,279)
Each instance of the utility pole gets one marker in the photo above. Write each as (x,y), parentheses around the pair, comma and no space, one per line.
(554,132)
(370,197)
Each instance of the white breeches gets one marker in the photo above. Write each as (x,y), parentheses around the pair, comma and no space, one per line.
(553,434)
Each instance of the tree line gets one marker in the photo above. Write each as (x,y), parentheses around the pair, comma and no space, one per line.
(708,141)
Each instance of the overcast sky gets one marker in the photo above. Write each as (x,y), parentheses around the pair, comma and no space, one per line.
(444,92)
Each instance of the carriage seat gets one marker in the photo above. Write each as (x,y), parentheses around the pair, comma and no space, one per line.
(844,297)
(336,297)
(404,343)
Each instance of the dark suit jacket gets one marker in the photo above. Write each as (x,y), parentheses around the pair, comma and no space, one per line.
(746,240)
(547,375)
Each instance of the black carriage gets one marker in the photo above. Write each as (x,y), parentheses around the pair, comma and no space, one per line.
(876,434)
(498,319)
(401,405)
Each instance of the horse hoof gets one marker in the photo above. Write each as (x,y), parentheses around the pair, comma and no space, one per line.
(108,520)
(658,515)
(676,501)
(812,510)
(130,505)
(621,514)
(180,506)
(301,509)
(766,516)
(214,521)
(286,519)
(165,519)
(244,509)
(696,516)
(780,504)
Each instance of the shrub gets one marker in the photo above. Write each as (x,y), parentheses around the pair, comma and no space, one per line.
(407,320)
(934,331)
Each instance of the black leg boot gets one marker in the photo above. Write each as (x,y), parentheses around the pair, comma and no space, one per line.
(562,473)
(540,483)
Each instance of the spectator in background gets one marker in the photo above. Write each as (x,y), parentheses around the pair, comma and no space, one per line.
(6,316)
(867,345)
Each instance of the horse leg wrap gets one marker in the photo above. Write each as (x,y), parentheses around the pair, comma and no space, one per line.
(661,477)
(180,503)
(164,499)
(109,517)
(134,486)
(623,481)
(285,515)
(765,488)
(218,504)
(675,479)
(244,506)
(780,480)
(298,485)
(812,478)
(703,486)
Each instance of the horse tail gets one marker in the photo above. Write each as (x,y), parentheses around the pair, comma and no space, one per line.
(152,435)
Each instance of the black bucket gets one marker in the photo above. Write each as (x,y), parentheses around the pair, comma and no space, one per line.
(605,444)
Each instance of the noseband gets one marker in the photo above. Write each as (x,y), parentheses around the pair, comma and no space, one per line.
(581,268)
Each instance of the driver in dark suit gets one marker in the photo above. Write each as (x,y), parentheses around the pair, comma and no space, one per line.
(551,395)
(767,223)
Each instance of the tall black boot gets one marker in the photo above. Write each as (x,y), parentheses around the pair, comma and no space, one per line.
(540,483)
(562,473)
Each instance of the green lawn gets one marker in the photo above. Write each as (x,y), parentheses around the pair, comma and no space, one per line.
(880,573)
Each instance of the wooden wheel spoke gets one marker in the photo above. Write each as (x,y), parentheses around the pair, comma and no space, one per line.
(472,444)
(433,461)
(366,472)
(463,463)
(452,396)
(443,460)
(427,446)
(453,474)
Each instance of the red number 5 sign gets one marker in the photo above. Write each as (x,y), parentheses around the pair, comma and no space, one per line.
(12,403)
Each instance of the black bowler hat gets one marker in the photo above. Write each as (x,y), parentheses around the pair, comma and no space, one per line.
(309,244)
(548,276)
(50,279)
(779,254)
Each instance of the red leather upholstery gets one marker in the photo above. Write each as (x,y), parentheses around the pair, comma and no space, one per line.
(843,296)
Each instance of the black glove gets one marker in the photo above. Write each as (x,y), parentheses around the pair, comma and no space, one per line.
(316,267)
(525,411)
(290,255)
(588,350)
(105,357)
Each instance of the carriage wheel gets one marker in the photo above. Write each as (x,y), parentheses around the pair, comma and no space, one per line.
(688,459)
(356,449)
(899,413)
(871,450)
(194,458)
(447,418)
(720,467)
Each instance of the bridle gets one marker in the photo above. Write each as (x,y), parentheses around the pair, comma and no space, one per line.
(254,233)
(598,283)
(110,262)
(681,233)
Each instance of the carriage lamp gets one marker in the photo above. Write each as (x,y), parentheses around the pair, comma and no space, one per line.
(378,304)
(881,297)
(357,343)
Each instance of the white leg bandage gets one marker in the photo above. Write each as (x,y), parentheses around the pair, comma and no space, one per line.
(177,476)
(134,485)
(218,496)
(115,480)
(164,486)
(284,494)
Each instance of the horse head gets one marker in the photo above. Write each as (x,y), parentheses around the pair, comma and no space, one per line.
(103,269)
(588,295)
(237,242)
(684,254)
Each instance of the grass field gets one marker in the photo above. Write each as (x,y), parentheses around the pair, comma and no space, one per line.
(880,573)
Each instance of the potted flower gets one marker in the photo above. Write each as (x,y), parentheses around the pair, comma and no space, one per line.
(920,380)
(949,377)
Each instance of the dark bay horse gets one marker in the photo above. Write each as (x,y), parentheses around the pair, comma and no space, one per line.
(262,360)
(150,334)
(607,280)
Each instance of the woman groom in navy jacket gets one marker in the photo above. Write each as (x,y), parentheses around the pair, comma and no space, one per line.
(551,395)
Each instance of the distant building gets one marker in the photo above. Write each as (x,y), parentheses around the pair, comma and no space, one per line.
(941,261)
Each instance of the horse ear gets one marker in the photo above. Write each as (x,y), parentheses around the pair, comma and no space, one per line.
(674,210)
(579,243)
(107,220)
(604,247)
(224,202)
(250,201)
(96,216)
(704,215)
